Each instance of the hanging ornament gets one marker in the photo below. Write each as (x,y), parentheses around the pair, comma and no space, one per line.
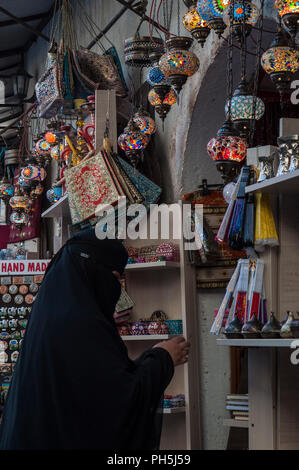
(212,12)
(196,25)
(155,76)
(281,61)
(178,63)
(6,189)
(288,11)
(244,107)
(244,13)
(137,49)
(33,173)
(19,202)
(228,149)
(54,194)
(132,141)
(162,98)
(144,122)
(43,147)
(19,219)
(50,138)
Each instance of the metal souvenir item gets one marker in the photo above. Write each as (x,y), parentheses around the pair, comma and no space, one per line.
(23,289)
(13,289)
(14,356)
(233,329)
(271,328)
(29,299)
(6,298)
(19,299)
(137,49)
(285,330)
(295,327)
(252,328)
(290,144)
(33,288)
(266,168)
(3,289)
(284,155)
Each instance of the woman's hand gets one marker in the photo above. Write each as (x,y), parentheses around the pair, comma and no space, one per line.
(178,348)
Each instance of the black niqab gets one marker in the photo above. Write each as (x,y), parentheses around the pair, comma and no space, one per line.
(74,386)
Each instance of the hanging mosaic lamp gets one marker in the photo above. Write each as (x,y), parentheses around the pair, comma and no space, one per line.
(19,202)
(137,50)
(50,137)
(37,191)
(25,185)
(155,76)
(54,194)
(288,11)
(196,25)
(43,147)
(33,173)
(244,108)
(19,219)
(162,98)
(228,150)
(212,12)
(281,61)
(132,141)
(244,12)
(6,189)
(178,63)
(144,122)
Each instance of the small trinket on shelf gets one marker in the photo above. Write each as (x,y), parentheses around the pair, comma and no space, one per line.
(285,331)
(138,328)
(272,328)
(175,327)
(233,329)
(252,328)
(266,168)
(295,327)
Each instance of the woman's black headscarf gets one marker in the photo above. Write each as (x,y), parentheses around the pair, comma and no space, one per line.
(74,386)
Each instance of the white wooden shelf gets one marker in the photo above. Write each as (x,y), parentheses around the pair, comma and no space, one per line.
(284,184)
(58,209)
(147,337)
(263,343)
(234,423)
(153,265)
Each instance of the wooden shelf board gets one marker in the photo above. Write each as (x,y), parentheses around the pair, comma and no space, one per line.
(153,265)
(146,337)
(284,184)
(235,423)
(263,343)
(58,209)
(172,411)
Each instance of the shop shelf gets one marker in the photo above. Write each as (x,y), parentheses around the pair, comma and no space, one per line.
(146,337)
(153,265)
(172,411)
(284,184)
(262,343)
(233,423)
(58,209)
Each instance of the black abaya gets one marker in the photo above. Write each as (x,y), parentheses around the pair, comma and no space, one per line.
(74,386)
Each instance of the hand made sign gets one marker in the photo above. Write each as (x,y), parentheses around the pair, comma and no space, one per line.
(23,267)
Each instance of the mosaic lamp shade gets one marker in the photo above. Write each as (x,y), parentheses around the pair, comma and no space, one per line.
(132,138)
(280,61)
(6,189)
(33,173)
(19,202)
(178,63)
(288,10)
(144,122)
(196,25)
(227,145)
(155,76)
(243,12)
(162,99)
(19,218)
(244,107)
(212,12)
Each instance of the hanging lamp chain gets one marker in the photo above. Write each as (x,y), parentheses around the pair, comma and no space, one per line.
(230,61)
(257,70)
(243,42)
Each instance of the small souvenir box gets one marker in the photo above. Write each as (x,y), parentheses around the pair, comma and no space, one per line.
(139,328)
(169,250)
(175,327)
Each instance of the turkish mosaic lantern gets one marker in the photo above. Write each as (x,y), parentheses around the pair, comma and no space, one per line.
(6,189)
(196,25)
(43,147)
(288,11)
(162,98)
(132,141)
(212,12)
(33,173)
(19,219)
(244,13)
(137,49)
(51,138)
(54,194)
(155,76)
(228,150)
(178,63)
(280,61)
(244,108)
(19,202)
(144,122)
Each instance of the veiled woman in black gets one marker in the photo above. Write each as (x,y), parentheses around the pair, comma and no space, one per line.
(74,386)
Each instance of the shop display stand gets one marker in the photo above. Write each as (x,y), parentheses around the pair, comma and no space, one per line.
(273,381)
(162,285)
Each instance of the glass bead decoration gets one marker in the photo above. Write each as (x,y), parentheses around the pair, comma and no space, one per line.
(155,76)
(43,147)
(242,107)
(210,9)
(50,137)
(232,148)
(250,12)
(19,202)
(145,124)
(6,189)
(133,140)
(280,59)
(179,62)
(285,7)
(170,98)
(54,194)
(33,173)
(192,20)
(19,218)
